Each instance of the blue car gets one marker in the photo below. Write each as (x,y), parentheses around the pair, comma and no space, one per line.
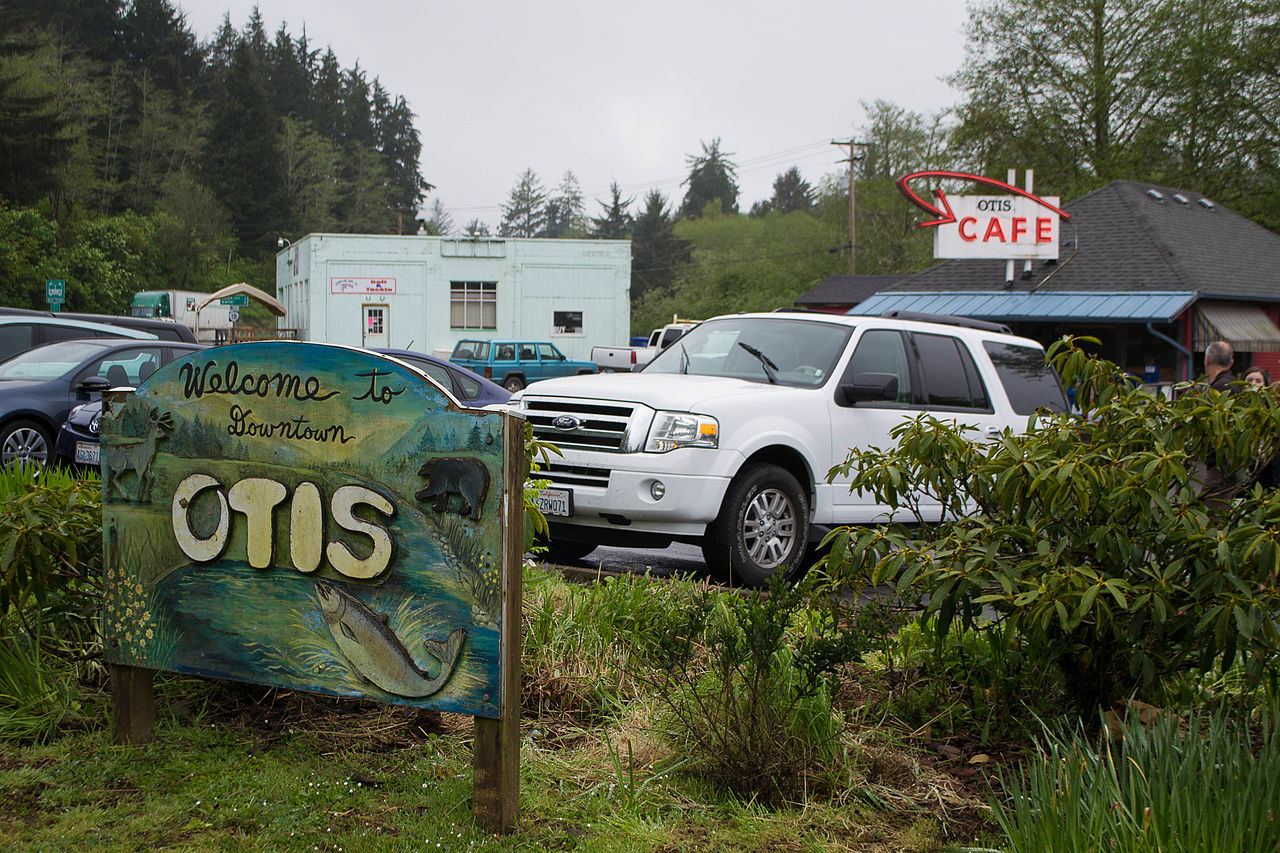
(40,387)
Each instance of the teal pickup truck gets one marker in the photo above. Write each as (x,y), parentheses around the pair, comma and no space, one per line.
(515,364)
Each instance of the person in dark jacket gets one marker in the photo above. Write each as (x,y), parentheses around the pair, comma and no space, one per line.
(1219,486)
(1218,359)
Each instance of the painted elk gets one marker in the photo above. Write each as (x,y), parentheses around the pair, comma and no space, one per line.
(136,454)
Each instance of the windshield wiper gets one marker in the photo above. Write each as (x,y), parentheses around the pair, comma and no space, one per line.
(770,369)
(684,358)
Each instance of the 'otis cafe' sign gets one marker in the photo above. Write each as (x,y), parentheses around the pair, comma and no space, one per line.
(1014,226)
(317,518)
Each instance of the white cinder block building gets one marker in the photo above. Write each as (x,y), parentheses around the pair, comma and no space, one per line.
(427,293)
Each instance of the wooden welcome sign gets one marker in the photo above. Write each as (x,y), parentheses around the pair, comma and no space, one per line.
(317,518)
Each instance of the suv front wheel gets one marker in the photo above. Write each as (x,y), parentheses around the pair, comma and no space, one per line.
(762,528)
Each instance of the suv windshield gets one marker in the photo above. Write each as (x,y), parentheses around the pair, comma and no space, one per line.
(773,350)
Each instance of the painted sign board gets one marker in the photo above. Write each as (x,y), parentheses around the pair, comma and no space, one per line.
(347,284)
(1015,226)
(999,226)
(311,517)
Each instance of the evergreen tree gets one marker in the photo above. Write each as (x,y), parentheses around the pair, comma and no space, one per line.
(791,193)
(565,216)
(711,178)
(401,147)
(157,42)
(524,214)
(615,224)
(657,254)
(35,135)
(438,222)
(289,73)
(242,157)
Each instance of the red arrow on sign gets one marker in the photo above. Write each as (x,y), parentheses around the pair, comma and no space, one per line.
(944,213)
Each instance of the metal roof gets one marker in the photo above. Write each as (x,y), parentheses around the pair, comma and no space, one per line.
(1130,307)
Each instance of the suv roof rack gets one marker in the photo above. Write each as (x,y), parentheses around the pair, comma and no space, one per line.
(949,319)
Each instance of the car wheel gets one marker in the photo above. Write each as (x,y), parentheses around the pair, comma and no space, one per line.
(24,443)
(762,528)
(513,383)
(567,551)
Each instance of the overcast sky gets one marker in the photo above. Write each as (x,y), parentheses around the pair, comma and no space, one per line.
(626,91)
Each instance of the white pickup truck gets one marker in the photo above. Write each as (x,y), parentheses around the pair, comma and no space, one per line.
(726,438)
(613,359)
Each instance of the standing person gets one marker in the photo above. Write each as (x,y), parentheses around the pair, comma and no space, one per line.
(1218,359)
(1268,475)
(1218,487)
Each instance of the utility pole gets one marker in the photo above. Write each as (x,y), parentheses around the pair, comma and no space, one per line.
(854,156)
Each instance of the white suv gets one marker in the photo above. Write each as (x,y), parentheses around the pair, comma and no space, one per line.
(725,439)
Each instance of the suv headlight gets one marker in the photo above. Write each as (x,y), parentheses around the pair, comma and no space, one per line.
(671,430)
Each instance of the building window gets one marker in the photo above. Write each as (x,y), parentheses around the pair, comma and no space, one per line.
(473,305)
(567,322)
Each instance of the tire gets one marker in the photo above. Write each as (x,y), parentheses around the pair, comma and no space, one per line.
(513,383)
(567,551)
(23,443)
(762,528)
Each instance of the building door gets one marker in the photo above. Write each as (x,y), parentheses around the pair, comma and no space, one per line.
(375,326)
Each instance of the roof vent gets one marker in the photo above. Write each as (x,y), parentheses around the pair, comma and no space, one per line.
(1181,199)
(1156,194)
(1208,205)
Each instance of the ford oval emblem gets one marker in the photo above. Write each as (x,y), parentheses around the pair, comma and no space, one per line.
(564,423)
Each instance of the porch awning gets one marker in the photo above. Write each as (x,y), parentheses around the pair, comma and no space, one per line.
(1013,306)
(1243,326)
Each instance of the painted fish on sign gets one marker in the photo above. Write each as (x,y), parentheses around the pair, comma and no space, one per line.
(311,517)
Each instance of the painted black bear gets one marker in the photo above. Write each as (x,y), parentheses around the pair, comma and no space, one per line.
(455,475)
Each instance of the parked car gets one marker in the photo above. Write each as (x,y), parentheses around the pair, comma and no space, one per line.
(164,329)
(515,364)
(611,359)
(40,387)
(725,439)
(20,333)
(467,386)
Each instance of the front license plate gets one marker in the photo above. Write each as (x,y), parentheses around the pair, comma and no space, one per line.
(558,502)
(87,452)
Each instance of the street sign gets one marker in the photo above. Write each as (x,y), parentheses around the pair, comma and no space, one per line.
(55,290)
(235,299)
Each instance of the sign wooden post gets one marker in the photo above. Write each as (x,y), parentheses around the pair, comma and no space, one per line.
(496,759)
(317,518)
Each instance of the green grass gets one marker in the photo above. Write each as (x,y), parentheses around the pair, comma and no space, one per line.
(1176,786)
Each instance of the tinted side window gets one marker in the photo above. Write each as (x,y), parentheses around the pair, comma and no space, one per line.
(49,334)
(950,376)
(15,338)
(1030,383)
(881,351)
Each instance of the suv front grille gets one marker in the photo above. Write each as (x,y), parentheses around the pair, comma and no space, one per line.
(605,426)
(574,475)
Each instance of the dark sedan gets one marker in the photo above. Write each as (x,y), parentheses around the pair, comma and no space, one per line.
(470,388)
(40,387)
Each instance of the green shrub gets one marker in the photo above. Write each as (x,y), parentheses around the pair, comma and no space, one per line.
(1177,789)
(981,680)
(1090,538)
(50,546)
(742,684)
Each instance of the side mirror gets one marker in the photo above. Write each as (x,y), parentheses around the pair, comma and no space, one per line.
(93,385)
(868,388)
